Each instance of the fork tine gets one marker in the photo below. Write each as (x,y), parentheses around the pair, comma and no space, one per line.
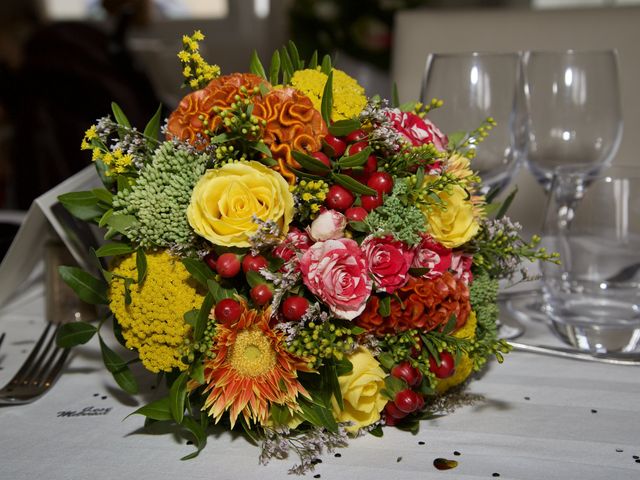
(1,339)
(44,360)
(48,380)
(29,362)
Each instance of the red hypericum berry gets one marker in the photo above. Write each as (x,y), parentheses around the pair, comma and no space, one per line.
(407,400)
(382,182)
(447,365)
(261,294)
(210,259)
(391,410)
(324,159)
(406,372)
(370,202)
(228,265)
(227,310)
(391,421)
(371,165)
(253,262)
(333,146)
(356,136)
(357,147)
(356,214)
(339,198)
(420,403)
(294,307)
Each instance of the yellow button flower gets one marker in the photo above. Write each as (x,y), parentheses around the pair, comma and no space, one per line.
(453,223)
(465,366)
(360,389)
(225,201)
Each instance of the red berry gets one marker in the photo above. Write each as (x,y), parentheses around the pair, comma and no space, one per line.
(371,202)
(261,294)
(407,400)
(371,165)
(356,214)
(324,159)
(294,307)
(253,262)
(406,372)
(391,421)
(356,136)
(392,410)
(228,265)
(357,147)
(382,182)
(339,198)
(210,259)
(227,310)
(333,146)
(420,403)
(447,365)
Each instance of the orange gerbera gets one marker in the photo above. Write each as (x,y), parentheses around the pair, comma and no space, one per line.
(250,370)
(195,112)
(427,304)
(292,124)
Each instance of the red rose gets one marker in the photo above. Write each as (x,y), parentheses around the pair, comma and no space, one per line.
(336,272)
(388,261)
(418,131)
(461,266)
(432,255)
(296,241)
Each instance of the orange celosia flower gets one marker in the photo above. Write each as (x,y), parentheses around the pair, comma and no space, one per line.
(427,304)
(250,370)
(195,109)
(292,123)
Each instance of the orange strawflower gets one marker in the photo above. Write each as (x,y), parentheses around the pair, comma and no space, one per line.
(427,304)
(250,369)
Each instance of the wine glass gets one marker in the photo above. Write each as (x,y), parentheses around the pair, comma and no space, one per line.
(475,86)
(573,114)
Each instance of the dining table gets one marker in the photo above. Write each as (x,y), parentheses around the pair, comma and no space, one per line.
(531,417)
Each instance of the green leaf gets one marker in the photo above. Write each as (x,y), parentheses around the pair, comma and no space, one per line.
(118,368)
(254,278)
(141,265)
(158,410)
(326,105)
(386,360)
(191,317)
(279,414)
(295,56)
(344,127)
(451,324)
(127,290)
(358,226)
(105,218)
(88,288)
(395,98)
(407,106)
(393,385)
(344,366)
(352,184)
(310,163)
(356,160)
(198,270)
(418,271)
(326,65)
(199,435)
(251,434)
(74,333)
(197,373)
(274,69)
(114,249)
(103,195)
(377,431)
(121,223)
(262,148)
(178,396)
(330,374)
(264,90)
(313,63)
(83,205)
(456,139)
(301,174)
(255,65)
(203,316)
(318,414)
(506,204)
(152,130)
(419,177)
(384,307)
(119,115)
(219,292)
(287,66)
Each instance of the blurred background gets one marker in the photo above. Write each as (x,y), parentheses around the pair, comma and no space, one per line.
(62,62)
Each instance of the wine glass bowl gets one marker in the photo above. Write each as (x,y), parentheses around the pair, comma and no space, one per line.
(573,113)
(476,86)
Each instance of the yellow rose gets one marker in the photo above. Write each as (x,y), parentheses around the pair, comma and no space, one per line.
(453,222)
(360,389)
(225,200)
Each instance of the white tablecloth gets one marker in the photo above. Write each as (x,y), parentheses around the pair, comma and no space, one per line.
(541,418)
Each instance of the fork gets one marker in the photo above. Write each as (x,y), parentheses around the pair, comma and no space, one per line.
(1,339)
(38,373)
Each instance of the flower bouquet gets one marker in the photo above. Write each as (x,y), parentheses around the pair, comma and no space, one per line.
(297,260)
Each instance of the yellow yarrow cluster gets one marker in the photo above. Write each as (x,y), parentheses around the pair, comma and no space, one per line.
(465,365)
(195,69)
(311,195)
(153,322)
(116,161)
(348,96)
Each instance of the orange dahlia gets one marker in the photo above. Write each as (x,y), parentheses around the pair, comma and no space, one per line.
(250,369)
(426,304)
(292,124)
(195,112)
